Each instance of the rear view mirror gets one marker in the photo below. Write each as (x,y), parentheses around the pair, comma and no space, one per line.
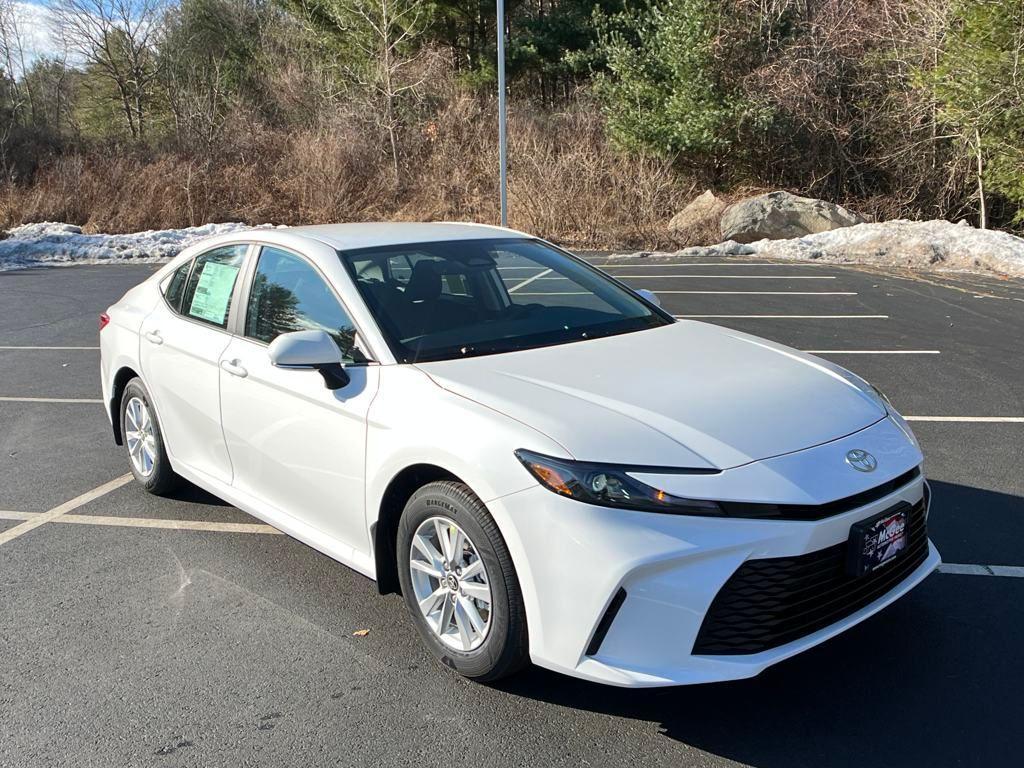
(651,296)
(310,350)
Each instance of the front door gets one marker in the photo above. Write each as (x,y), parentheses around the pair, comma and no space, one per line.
(294,443)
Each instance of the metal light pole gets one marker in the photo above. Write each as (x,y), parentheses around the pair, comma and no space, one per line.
(502,147)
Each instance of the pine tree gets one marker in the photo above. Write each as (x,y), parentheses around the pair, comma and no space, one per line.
(979,85)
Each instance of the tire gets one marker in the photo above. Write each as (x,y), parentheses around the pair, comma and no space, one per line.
(160,479)
(503,647)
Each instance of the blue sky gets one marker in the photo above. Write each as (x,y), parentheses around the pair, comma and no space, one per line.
(39,38)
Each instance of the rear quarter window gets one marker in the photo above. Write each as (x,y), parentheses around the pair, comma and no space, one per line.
(174,286)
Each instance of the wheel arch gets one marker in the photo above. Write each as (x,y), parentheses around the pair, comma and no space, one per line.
(124,374)
(399,490)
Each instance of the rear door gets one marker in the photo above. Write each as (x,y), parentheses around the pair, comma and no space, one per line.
(295,444)
(182,342)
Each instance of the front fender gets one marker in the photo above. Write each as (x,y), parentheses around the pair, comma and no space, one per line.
(414,421)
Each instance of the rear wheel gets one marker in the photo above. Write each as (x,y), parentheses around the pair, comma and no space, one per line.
(144,442)
(459,583)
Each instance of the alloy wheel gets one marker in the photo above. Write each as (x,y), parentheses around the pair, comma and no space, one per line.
(450,583)
(140,436)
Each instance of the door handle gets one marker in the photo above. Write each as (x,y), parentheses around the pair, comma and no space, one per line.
(232,367)
(154,337)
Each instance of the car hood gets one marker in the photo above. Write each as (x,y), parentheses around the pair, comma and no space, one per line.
(688,394)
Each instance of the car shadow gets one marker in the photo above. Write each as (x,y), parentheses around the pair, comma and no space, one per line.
(935,679)
(192,494)
(971,525)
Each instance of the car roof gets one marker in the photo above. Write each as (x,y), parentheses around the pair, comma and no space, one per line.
(371,234)
(343,237)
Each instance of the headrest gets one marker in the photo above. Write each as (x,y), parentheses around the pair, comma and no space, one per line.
(424,283)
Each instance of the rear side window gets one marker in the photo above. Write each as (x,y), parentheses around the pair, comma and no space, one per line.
(207,295)
(287,295)
(174,287)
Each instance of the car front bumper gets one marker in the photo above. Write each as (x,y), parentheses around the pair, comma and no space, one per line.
(574,558)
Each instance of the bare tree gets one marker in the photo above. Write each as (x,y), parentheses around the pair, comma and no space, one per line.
(197,99)
(384,36)
(117,38)
(12,48)
(12,61)
(390,27)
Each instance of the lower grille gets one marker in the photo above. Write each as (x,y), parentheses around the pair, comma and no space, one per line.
(771,602)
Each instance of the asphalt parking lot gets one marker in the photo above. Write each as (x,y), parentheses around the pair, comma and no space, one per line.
(143,631)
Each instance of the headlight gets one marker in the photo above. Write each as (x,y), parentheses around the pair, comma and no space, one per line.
(610,486)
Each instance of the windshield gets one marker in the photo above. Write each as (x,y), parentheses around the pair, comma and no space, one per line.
(452,299)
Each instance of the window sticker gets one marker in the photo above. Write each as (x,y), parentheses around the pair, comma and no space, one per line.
(213,293)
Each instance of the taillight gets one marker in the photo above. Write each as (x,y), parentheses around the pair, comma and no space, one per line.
(104,320)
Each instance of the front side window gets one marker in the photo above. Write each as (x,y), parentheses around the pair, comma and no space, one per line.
(287,295)
(207,295)
(451,299)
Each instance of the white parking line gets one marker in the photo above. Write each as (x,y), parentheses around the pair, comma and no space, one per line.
(6,514)
(49,400)
(145,522)
(961,569)
(705,293)
(621,265)
(770,293)
(971,419)
(694,277)
(538,276)
(551,293)
(45,517)
(174,525)
(793,317)
(40,348)
(728,277)
(872,351)
(529,280)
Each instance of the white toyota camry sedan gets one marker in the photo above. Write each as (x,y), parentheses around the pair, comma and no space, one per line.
(546,465)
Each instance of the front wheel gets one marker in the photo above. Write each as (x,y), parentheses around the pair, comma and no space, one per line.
(140,430)
(459,583)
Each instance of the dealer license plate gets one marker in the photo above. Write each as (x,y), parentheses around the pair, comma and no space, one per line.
(877,540)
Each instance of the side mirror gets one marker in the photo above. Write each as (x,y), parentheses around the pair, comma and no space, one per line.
(310,350)
(651,296)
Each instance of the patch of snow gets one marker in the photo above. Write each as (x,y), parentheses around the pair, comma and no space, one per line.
(55,244)
(924,245)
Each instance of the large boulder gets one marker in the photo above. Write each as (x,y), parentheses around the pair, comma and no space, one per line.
(780,216)
(699,217)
